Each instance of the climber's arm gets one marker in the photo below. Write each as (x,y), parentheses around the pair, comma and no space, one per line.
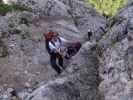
(65,40)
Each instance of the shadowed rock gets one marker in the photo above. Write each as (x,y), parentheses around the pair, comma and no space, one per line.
(79,82)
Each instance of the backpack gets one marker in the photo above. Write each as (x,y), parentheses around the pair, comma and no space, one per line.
(73,49)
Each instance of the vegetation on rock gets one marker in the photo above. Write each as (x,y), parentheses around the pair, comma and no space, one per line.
(5,8)
(106,7)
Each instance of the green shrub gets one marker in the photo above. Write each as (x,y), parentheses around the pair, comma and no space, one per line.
(4,8)
(106,7)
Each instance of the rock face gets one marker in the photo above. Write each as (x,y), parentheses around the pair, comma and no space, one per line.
(116,70)
(102,70)
(80,82)
(21,34)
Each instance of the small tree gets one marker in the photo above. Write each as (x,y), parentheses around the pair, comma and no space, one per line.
(106,7)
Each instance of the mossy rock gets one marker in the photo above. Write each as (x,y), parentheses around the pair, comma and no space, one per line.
(5,8)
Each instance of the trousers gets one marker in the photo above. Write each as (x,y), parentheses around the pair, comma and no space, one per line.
(56,61)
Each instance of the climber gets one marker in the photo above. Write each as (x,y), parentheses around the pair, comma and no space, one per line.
(57,50)
(89,34)
(52,45)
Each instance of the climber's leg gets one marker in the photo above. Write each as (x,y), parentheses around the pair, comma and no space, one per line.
(60,59)
(53,63)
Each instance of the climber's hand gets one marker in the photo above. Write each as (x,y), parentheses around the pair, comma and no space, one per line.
(61,51)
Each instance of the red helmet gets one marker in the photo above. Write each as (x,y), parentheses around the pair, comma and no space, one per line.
(48,35)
